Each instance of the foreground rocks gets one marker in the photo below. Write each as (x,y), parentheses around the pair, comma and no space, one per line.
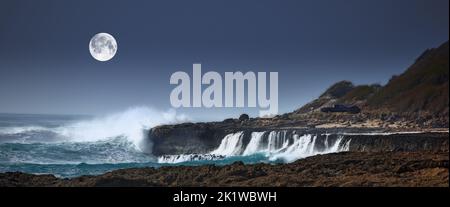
(341,169)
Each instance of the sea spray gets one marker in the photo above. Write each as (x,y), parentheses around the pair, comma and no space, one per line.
(131,124)
(114,138)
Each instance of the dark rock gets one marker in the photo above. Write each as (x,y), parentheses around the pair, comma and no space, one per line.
(438,142)
(230,120)
(244,117)
(204,137)
(341,169)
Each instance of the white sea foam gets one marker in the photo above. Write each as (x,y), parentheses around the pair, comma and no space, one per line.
(275,145)
(18,130)
(230,145)
(188,158)
(255,143)
(131,124)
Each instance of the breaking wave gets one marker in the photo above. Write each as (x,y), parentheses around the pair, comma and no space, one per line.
(131,125)
(111,139)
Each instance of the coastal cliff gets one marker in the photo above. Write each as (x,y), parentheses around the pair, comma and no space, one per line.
(203,138)
(416,100)
(187,138)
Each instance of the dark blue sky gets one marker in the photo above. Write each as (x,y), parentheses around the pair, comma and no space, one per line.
(46,67)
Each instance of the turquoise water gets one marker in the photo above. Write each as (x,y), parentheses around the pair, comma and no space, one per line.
(75,170)
(70,146)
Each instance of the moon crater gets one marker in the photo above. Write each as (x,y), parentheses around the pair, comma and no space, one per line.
(103,46)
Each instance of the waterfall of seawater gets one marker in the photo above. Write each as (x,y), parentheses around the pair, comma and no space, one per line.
(230,145)
(274,145)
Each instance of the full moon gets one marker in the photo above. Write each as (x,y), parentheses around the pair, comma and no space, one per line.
(103,46)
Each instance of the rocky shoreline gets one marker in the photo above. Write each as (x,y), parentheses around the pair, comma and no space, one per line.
(372,159)
(198,138)
(407,169)
(375,157)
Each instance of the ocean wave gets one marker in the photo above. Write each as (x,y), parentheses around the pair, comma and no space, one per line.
(21,130)
(131,124)
(109,151)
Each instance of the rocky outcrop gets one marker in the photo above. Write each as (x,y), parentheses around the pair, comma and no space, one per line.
(342,169)
(189,138)
(205,137)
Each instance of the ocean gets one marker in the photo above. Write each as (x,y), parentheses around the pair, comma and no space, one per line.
(71,146)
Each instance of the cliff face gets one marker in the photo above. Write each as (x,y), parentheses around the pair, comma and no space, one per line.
(204,138)
(437,142)
(188,138)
